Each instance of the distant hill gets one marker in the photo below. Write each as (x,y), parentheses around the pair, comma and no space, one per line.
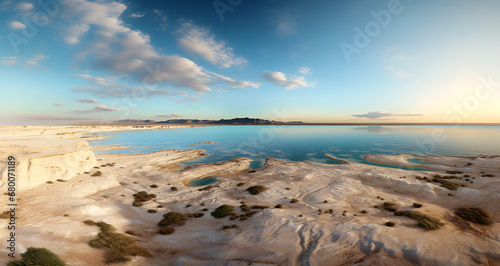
(233,121)
(185,121)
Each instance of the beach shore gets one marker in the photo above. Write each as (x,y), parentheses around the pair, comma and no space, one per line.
(310,214)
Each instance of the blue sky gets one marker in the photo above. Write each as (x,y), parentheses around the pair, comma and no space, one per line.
(72,61)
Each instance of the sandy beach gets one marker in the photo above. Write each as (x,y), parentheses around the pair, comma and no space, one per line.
(309,214)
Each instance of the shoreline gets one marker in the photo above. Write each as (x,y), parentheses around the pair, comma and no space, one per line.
(352,232)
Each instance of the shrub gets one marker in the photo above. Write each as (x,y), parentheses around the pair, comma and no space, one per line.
(259,207)
(119,247)
(97,173)
(152,211)
(154,186)
(363,211)
(105,227)
(230,226)
(391,224)
(294,201)
(198,214)
(89,222)
(137,204)
(390,206)
(49,182)
(173,218)
(222,211)
(278,206)
(475,215)
(244,207)
(240,184)
(417,205)
(38,256)
(234,217)
(255,190)
(166,230)
(447,184)
(173,188)
(205,188)
(425,221)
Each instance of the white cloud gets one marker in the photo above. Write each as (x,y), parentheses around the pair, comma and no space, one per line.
(97,109)
(8,62)
(16,25)
(161,19)
(58,104)
(34,60)
(304,70)
(92,101)
(279,78)
(120,49)
(169,115)
(50,117)
(24,6)
(31,63)
(75,32)
(96,80)
(391,60)
(237,84)
(382,114)
(200,41)
(137,15)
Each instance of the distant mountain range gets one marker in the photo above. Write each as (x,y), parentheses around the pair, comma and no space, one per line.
(234,121)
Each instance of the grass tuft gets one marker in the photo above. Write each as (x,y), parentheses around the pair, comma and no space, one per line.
(255,190)
(475,215)
(222,211)
(38,256)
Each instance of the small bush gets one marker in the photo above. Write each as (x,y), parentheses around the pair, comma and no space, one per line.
(390,206)
(488,175)
(294,201)
(447,184)
(244,207)
(173,218)
(166,230)
(97,173)
(425,221)
(105,227)
(89,222)
(259,207)
(173,188)
(137,204)
(475,215)
(152,211)
(198,214)
(391,224)
(255,190)
(38,256)
(154,186)
(234,217)
(363,211)
(278,206)
(417,205)
(49,182)
(240,184)
(230,226)
(222,211)
(205,188)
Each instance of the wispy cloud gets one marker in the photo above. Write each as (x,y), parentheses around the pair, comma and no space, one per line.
(169,116)
(200,41)
(237,83)
(137,15)
(92,101)
(280,79)
(391,62)
(58,104)
(382,114)
(97,109)
(285,26)
(161,19)
(304,70)
(52,117)
(24,6)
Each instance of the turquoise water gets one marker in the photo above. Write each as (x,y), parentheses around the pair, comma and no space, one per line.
(309,143)
(415,160)
(202,181)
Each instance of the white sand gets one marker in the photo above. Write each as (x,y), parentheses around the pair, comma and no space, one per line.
(271,236)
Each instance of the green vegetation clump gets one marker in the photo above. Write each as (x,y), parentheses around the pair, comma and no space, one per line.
(417,205)
(119,247)
(230,226)
(425,221)
(89,222)
(166,230)
(152,211)
(38,257)
(447,184)
(259,207)
(390,206)
(475,215)
(222,211)
(173,218)
(141,197)
(255,190)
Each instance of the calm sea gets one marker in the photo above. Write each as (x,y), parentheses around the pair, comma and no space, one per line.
(310,143)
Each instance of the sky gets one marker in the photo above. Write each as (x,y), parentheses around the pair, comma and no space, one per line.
(72,61)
